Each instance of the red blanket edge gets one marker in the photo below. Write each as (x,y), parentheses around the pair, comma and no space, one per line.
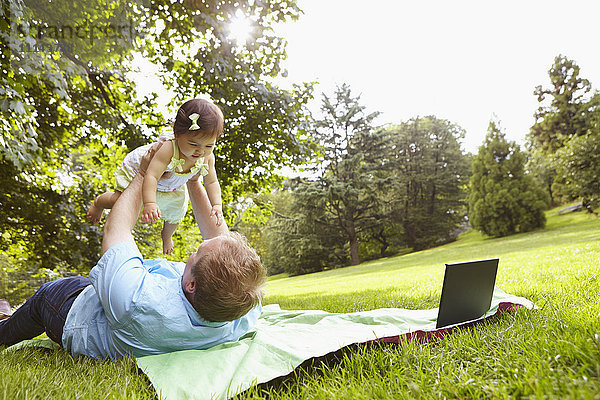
(438,333)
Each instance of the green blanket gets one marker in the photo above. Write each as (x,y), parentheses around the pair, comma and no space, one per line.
(281,341)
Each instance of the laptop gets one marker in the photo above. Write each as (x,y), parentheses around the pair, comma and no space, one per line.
(467,291)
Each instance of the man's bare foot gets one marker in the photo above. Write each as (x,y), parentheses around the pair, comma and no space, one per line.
(94,214)
(168,245)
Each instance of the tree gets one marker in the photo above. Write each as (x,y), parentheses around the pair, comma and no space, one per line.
(338,203)
(297,242)
(543,167)
(348,183)
(562,115)
(565,116)
(503,198)
(564,131)
(53,103)
(578,163)
(70,112)
(430,173)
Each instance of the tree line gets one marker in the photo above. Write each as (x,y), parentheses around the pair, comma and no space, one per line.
(370,192)
(374,192)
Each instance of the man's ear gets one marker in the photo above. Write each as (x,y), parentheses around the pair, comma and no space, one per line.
(190,287)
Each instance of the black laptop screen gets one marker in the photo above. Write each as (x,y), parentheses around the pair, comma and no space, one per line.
(467,291)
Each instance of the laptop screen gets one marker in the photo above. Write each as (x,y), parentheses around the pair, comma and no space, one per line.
(467,291)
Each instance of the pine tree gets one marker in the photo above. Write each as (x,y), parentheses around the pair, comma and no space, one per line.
(564,113)
(565,116)
(503,198)
(348,182)
(430,173)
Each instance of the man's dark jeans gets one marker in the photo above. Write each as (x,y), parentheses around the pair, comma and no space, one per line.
(45,311)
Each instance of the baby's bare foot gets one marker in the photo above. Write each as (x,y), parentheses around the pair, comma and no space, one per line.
(168,245)
(94,214)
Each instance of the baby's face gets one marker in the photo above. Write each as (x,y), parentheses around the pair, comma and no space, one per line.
(193,146)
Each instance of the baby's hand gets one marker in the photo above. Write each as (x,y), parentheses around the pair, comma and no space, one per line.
(150,213)
(218,213)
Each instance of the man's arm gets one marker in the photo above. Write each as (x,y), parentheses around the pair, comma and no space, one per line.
(211,183)
(124,214)
(202,207)
(213,189)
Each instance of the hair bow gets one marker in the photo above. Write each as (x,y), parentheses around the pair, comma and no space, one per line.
(194,117)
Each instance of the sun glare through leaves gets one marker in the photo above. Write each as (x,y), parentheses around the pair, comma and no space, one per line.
(240,28)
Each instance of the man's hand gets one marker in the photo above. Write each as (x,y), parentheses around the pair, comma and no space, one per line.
(217,212)
(146,158)
(202,209)
(150,213)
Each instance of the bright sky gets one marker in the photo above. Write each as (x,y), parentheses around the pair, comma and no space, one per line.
(459,60)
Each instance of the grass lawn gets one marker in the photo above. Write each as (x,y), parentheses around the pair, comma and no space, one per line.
(552,352)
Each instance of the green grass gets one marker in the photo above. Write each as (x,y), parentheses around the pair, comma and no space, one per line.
(552,352)
(38,373)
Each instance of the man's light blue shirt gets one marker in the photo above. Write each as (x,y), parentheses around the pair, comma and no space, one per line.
(137,307)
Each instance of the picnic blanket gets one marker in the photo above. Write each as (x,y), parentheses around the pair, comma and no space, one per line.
(283,340)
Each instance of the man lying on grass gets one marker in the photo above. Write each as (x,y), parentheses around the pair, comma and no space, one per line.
(141,307)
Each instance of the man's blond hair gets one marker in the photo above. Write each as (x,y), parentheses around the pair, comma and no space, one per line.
(229,279)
